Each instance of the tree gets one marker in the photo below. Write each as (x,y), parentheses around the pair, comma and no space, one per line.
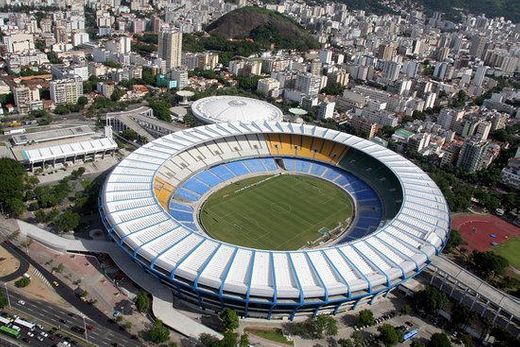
(229,319)
(333,89)
(365,317)
(416,343)
(67,221)
(345,343)
(454,241)
(3,300)
(161,110)
(326,325)
(244,341)
(82,100)
(489,264)
(439,340)
(78,172)
(159,333)
(22,282)
(208,340)
(388,334)
(16,206)
(62,109)
(117,94)
(12,176)
(430,300)
(142,301)
(112,64)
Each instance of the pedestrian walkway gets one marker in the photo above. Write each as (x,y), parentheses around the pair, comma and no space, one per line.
(38,274)
(162,304)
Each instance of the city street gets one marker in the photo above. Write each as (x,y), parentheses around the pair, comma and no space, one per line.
(103,332)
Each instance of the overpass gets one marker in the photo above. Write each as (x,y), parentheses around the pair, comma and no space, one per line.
(142,121)
(499,308)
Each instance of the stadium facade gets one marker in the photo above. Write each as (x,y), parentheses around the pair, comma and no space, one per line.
(150,203)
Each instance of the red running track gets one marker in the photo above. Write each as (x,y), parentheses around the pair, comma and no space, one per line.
(476,230)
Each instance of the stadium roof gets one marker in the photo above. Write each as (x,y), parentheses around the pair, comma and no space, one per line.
(228,108)
(404,244)
(51,135)
(68,150)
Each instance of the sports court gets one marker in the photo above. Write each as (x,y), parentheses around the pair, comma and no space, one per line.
(483,232)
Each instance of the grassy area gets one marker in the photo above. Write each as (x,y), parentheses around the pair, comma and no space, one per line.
(274,335)
(509,250)
(280,212)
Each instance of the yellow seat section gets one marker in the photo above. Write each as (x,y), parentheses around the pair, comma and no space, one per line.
(326,149)
(306,150)
(287,148)
(337,152)
(163,190)
(273,142)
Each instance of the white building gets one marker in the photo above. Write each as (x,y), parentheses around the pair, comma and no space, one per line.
(66,90)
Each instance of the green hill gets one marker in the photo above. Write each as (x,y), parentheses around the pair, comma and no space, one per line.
(509,9)
(264,27)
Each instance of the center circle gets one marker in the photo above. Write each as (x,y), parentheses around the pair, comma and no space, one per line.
(277,212)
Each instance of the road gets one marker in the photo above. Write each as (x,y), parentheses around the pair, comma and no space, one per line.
(104,333)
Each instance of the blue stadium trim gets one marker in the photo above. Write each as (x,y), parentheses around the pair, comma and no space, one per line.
(249,278)
(373,265)
(182,259)
(388,260)
(301,296)
(398,252)
(154,259)
(344,280)
(275,298)
(355,268)
(226,272)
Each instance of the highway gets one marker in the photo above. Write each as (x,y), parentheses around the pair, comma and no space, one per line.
(104,332)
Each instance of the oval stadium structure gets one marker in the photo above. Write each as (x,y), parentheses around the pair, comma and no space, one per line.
(150,205)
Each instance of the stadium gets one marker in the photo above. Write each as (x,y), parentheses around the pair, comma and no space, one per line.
(274,219)
(232,108)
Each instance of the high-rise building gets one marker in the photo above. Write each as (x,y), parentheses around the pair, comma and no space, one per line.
(391,70)
(325,56)
(480,73)
(477,46)
(386,52)
(26,99)
(477,155)
(326,109)
(170,47)
(181,76)
(66,90)
(308,84)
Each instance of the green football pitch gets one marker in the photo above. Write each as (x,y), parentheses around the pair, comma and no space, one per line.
(278,212)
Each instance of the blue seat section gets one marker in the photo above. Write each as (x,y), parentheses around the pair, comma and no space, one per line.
(185,195)
(208,178)
(254,165)
(182,216)
(369,210)
(317,169)
(222,172)
(196,186)
(289,164)
(269,164)
(180,207)
(237,168)
(191,226)
(330,174)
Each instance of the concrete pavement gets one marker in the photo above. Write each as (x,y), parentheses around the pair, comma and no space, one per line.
(162,304)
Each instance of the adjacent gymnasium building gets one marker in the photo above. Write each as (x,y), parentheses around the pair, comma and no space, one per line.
(148,205)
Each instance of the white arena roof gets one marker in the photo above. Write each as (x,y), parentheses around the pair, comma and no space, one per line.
(133,212)
(229,108)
